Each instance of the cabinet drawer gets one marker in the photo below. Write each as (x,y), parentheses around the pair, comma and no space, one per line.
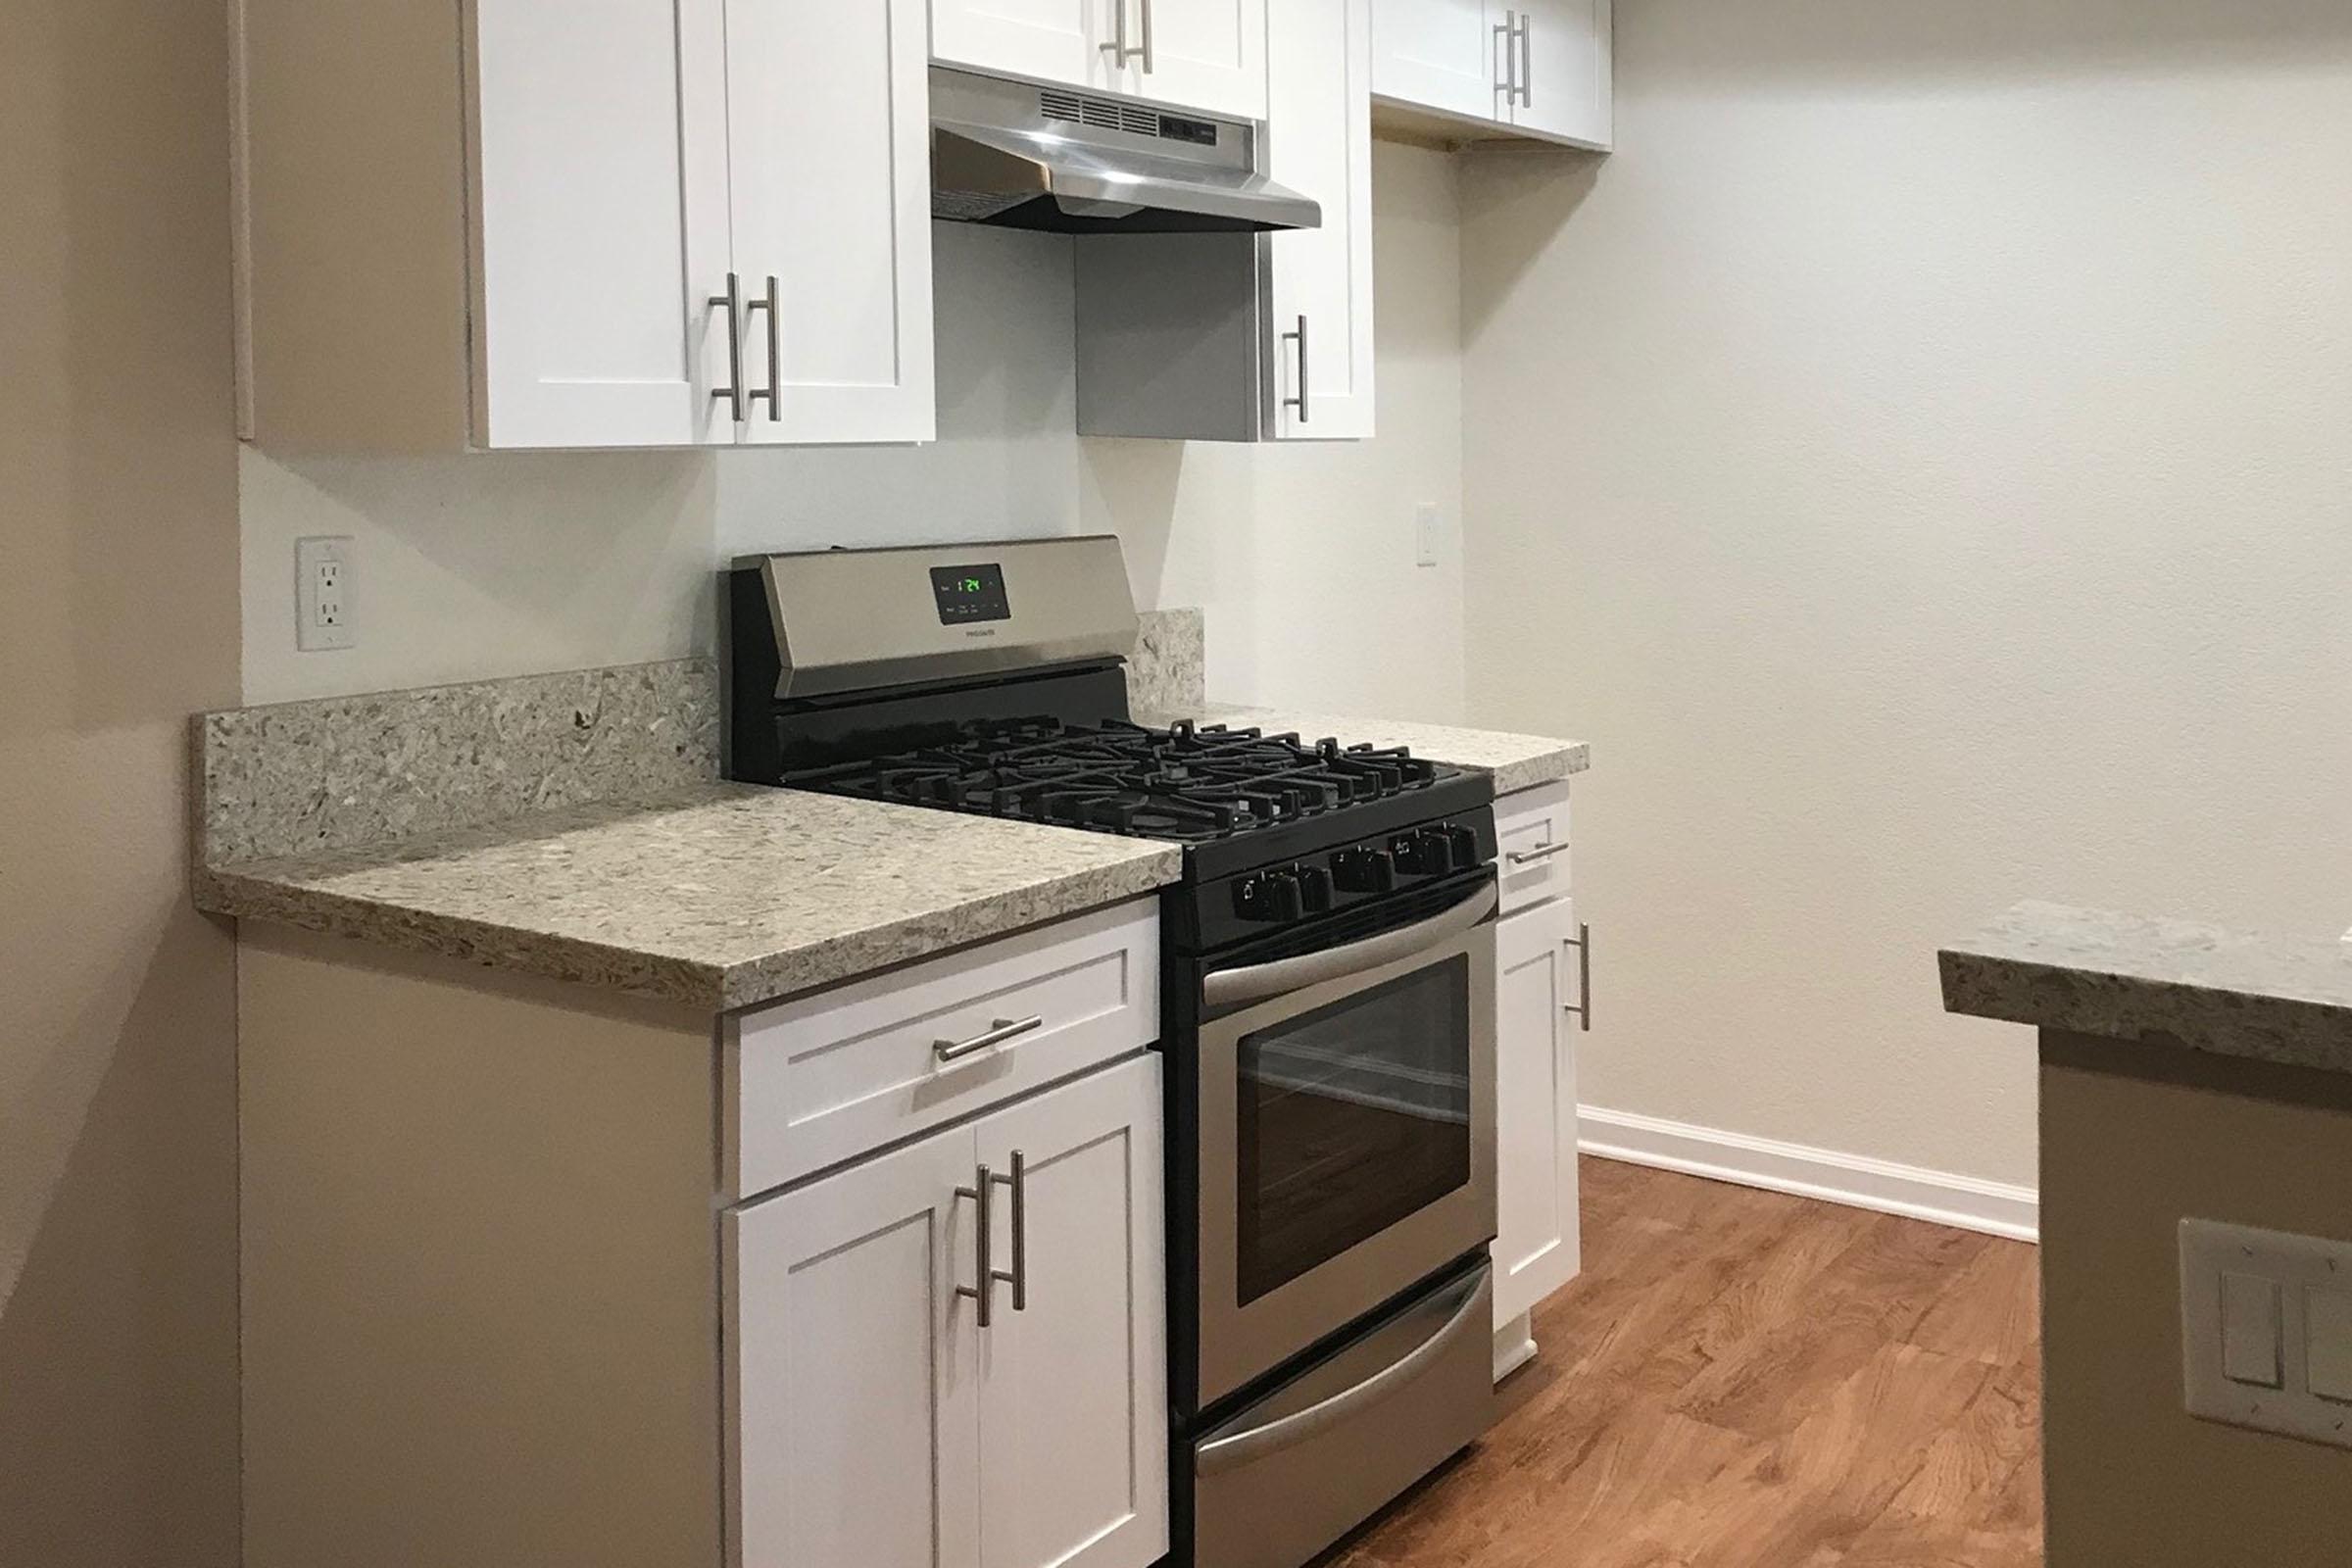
(1531,830)
(817,1080)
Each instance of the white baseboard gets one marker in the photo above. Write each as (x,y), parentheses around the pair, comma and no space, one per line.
(1938,1196)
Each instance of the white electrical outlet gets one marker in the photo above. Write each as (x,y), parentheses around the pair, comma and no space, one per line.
(322,590)
(1429,532)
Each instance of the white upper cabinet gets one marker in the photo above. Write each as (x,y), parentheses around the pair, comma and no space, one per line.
(1528,68)
(1564,80)
(502,225)
(828,137)
(1320,63)
(593,230)
(1195,54)
(1439,55)
(1203,54)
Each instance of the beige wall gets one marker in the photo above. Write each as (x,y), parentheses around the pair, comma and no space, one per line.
(2135,1140)
(1916,461)
(118,616)
(1304,555)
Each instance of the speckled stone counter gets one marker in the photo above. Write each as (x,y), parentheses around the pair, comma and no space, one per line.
(2166,983)
(1517,762)
(721,895)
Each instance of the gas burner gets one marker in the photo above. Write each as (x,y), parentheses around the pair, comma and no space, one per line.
(1185,784)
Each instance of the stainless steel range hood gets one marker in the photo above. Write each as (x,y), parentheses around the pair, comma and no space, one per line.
(1056,158)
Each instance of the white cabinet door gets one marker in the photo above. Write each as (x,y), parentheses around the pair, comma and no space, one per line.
(599,223)
(1564,70)
(1043,40)
(829,154)
(1074,1417)
(853,1382)
(1446,55)
(1201,54)
(1537,1244)
(1320,63)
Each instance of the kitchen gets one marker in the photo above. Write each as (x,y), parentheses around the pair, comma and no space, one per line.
(1806,420)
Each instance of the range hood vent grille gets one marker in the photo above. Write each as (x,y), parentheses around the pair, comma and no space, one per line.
(1102,114)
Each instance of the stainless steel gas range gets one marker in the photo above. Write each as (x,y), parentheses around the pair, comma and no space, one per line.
(1329,1037)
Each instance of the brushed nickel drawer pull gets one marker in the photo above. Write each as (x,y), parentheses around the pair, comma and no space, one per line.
(1006,1029)
(1543,853)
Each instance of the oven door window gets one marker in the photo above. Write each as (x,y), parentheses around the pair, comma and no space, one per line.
(1352,1117)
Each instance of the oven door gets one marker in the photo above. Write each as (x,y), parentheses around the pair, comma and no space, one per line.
(1346,1130)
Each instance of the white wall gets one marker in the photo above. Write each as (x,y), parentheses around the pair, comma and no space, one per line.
(476,567)
(1303,555)
(1921,461)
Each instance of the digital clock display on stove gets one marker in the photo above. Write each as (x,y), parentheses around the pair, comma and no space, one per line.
(969,594)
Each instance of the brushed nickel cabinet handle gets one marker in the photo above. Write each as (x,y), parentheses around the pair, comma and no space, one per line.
(1019,1275)
(732,302)
(1117,47)
(1151,58)
(982,1291)
(1004,1029)
(1300,402)
(1507,32)
(773,306)
(1583,1006)
(1526,59)
(1541,852)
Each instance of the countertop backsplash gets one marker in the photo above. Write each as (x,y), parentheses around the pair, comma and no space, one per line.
(341,774)
(345,772)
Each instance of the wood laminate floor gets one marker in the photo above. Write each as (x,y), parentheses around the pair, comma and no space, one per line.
(1743,1380)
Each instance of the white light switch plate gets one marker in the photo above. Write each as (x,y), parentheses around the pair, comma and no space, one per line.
(1429,533)
(2266,1330)
(322,594)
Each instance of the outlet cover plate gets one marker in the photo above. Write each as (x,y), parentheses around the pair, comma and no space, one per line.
(2226,1320)
(322,594)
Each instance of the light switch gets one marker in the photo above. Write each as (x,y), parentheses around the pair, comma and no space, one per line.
(2328,1342)
(2250,1331)
(2266,1330)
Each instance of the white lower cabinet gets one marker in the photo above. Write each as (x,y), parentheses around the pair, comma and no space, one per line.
(1073,1379)
(875,1422)
(1539,994)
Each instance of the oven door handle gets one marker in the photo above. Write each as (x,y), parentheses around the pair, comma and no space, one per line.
(1469,1314)
(1226,988)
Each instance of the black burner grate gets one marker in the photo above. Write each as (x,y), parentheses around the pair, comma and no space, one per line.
(1185,784)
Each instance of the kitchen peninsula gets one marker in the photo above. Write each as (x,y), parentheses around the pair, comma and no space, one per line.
(2188,1073)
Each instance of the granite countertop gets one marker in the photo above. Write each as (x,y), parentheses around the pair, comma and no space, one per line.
(2169,983)
(718,896)
(1517,762)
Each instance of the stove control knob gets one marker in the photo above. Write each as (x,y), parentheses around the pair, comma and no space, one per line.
(1464,842)
(1314,889)
(1422,854)
(1364,870)
(1285,899)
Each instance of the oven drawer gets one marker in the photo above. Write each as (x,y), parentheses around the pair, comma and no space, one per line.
(821,1079)
(1288,1476)
(1531,831)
